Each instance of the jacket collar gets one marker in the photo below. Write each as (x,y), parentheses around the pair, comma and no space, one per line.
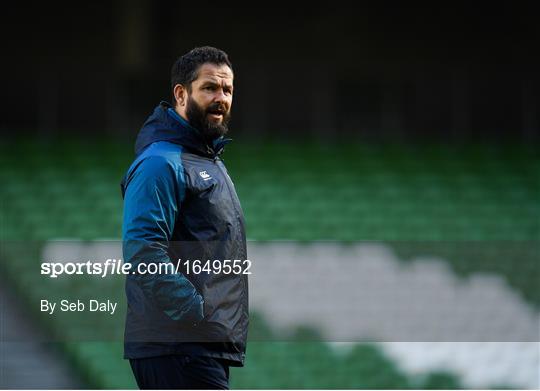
(165,126)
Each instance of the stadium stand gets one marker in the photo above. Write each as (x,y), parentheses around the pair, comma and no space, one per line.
(303,193)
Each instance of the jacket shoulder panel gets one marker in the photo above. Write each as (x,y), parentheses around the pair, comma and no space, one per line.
(158,160)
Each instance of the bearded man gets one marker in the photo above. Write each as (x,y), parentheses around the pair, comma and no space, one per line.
(185,328)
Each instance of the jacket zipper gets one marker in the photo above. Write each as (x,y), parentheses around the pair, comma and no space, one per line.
(225,176)
(238,214)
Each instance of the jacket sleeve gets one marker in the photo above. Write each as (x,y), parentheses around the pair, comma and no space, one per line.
(152,196)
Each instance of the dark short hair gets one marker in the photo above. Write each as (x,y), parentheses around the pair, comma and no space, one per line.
(186,68)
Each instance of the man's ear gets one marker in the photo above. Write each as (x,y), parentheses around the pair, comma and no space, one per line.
(180,94)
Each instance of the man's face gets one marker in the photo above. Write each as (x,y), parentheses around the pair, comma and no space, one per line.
(208,106)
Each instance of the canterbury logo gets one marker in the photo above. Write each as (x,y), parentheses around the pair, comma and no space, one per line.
(204,175)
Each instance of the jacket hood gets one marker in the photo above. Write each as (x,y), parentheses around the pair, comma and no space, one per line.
(162,126)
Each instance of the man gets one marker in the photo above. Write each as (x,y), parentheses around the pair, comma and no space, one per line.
(184,329)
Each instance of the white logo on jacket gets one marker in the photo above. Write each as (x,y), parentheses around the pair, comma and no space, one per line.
(204,175)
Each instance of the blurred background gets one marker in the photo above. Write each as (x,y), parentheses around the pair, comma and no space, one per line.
(415,128)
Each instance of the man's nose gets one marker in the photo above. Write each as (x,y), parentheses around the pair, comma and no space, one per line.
(220,96)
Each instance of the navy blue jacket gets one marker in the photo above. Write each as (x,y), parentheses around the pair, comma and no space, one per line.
(180,204)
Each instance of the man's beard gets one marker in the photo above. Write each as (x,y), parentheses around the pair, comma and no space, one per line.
(198,118)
